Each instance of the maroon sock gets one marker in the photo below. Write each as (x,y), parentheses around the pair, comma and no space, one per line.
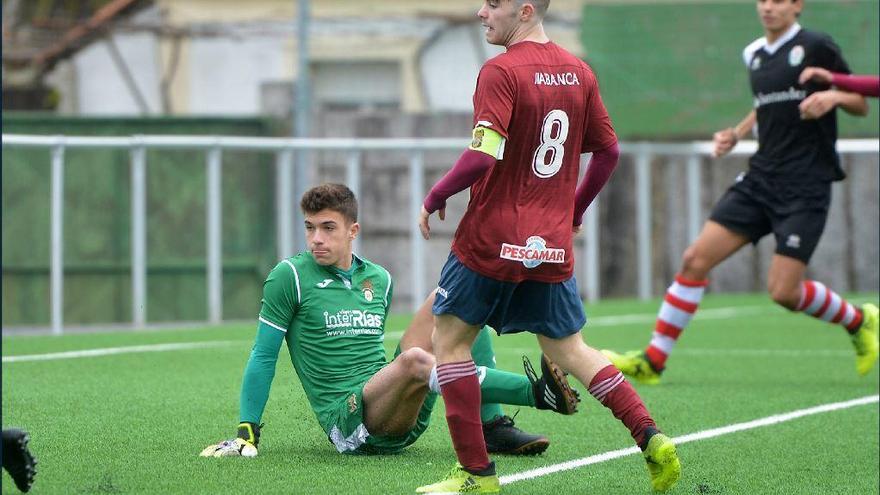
(460,388)
(614,392)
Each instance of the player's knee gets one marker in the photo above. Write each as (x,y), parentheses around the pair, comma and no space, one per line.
(784,296)
(693,264)
(417,362)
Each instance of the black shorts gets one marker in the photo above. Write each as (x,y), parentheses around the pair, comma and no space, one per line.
(794,212)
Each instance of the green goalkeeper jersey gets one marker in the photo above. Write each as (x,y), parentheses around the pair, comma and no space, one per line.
(334,325)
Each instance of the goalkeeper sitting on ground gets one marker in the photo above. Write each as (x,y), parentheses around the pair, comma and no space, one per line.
(331,306)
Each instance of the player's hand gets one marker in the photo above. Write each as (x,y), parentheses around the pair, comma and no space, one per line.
(244,445)
(724,142)
(818,104)
(575,229)
(424,226)
(816,74)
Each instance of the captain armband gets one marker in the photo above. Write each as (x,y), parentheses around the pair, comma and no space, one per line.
(488,141)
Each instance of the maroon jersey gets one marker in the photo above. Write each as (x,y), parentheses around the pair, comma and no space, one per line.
(518,223)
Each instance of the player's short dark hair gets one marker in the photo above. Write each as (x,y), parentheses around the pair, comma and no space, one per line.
(541,6)
(336,197)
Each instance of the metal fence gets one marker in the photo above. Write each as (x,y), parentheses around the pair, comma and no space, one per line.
(285,150)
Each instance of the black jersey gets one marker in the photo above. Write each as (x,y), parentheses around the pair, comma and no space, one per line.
(789,148)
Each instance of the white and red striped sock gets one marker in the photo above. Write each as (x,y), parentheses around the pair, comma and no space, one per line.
(679,306)
(818,301)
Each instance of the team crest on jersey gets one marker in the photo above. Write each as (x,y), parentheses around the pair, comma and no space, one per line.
(478,138)
(756,63)
(367,288)
(796,56)
(533,253)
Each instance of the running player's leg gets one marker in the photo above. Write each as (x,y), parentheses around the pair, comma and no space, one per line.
(714,244)
(797,236)
(484,356)
(555,313)
(460,387)
(611,389)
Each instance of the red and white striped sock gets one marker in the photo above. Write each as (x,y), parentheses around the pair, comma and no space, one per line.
(818,301)
(679,306)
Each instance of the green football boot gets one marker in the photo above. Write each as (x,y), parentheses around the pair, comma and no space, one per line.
(865,339)
(663,464)
(635,365)
(460,481)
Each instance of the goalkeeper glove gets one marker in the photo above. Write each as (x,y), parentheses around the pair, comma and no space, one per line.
(244,445)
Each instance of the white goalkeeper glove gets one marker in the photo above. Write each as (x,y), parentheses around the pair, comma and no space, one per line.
(244,445)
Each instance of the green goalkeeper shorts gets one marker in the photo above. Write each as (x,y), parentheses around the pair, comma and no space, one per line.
(349,435)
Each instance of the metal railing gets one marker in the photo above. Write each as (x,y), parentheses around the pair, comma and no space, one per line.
(285,149)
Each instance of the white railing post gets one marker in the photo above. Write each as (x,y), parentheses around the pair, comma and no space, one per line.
(284,204)
(417,244)
(694,181)
(138,236)
(643,221)
(214,241)
(353,180)
(56,278)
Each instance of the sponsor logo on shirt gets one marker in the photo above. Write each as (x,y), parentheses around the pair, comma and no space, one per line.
(790,94)
(533,253)
(796,56)
(324,283)
(556,79)
(353,322)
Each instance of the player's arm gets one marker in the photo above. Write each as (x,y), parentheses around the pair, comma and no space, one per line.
(822,102)
(863,85)
(493,106)
(828,56)
(486,148)
(600,140)
(726,139)
(280,300)
(599,170)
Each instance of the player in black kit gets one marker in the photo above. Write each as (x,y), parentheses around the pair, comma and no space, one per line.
(786,192)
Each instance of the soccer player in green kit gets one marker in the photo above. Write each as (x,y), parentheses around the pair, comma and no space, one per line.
(331,306)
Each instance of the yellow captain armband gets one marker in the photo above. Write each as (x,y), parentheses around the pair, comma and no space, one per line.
(488,141)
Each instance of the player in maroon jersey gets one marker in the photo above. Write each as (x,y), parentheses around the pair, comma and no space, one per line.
(536,109)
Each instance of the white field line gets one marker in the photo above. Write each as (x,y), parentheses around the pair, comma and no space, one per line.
(692,437)
(108,351)
(598,321)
